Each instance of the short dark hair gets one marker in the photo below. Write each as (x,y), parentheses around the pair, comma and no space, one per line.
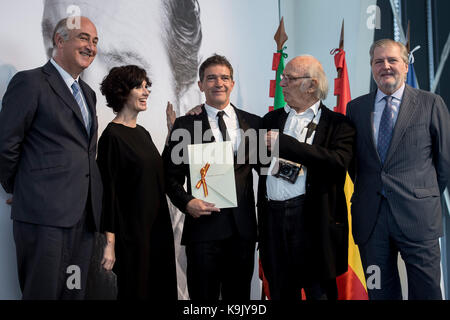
(213,61)
(119,82)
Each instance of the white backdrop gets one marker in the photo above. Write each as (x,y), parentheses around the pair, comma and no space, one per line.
(241,30)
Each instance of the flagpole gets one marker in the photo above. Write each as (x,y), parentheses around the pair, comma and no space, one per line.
(410,54)
(341,45)
(430,43)
(398,22)
(279,10)
(444,56)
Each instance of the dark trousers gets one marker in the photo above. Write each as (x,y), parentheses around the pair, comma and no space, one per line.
(284,248)
(220,268)
(380,253)
(53,262)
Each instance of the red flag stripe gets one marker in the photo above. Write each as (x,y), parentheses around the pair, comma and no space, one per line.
(351,286)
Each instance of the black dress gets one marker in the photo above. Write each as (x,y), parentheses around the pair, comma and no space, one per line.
(135,210)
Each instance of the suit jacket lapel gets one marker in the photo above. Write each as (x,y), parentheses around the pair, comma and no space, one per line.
(241,119)
(407,109)
(88,97)
(367,113)
(57,83)
(244,144)
(205,126)
(91,105)
(322,127)
(282,120)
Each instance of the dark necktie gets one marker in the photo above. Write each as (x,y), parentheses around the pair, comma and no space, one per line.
(222,126)
(386,129)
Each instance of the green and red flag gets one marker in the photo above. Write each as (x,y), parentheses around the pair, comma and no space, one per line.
(278,63)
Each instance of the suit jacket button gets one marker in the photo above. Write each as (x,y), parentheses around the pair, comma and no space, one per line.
(87,175)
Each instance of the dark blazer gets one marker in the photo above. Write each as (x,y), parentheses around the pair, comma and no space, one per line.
(327,160)
(218,225)
(416,169)
(47,159)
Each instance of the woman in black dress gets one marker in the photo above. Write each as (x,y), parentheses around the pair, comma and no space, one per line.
(136,219)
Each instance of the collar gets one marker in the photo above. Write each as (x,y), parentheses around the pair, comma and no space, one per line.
(64,74)
(314,108)
(397,94)
(212,112)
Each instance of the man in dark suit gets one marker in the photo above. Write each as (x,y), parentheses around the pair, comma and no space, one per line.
(402,166)
(48,139)
(302,216)
(220,244)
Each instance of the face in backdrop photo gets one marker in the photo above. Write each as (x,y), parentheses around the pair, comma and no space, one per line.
(163,37)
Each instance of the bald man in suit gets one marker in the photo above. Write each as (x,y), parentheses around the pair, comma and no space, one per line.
(48,141)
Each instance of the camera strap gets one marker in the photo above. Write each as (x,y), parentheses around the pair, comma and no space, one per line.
(311,126)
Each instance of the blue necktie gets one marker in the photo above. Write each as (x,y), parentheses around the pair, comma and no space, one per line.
(83,109)
(386,129)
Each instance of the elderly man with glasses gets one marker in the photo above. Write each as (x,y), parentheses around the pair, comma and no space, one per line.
(302,210)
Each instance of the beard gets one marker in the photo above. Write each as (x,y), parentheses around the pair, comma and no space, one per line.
(389,87)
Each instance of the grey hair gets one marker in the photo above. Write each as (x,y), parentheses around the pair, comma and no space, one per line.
(62,29)
(50,32)
(183,40)
(388,42)
(322,81)
(315,71)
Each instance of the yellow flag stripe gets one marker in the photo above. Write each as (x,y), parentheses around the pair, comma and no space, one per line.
(354,258)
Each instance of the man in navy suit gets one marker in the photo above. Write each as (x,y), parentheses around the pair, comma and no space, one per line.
(402,165)
(48,140)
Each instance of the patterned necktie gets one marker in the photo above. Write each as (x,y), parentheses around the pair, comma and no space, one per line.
(222,126)
(84,112)
(386,129)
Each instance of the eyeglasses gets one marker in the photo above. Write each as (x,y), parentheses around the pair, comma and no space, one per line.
(289,78)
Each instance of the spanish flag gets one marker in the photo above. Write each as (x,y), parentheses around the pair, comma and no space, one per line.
(351,285)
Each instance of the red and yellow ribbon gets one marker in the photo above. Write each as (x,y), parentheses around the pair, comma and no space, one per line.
(202,180)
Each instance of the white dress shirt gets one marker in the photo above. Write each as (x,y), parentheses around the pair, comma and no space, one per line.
(295,126)
(231,121)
